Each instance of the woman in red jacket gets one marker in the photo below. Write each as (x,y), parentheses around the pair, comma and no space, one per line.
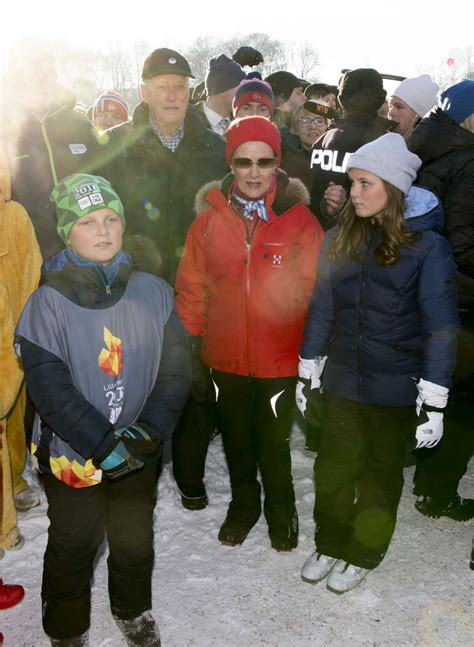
(243,286)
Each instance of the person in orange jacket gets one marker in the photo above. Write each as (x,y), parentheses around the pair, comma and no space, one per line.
(243,286)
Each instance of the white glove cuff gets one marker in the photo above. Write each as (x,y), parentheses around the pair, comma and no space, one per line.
(312,368)
(432,394)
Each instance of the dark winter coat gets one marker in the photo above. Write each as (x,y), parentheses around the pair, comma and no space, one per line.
(43,152)
(447,153)
(384,327)
(158,186)
(244,287)
(294,159)
(331,153)
(70,423)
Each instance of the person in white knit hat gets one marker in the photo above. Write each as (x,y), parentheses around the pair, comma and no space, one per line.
(410,102)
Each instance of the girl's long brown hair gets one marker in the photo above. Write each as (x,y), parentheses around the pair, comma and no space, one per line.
(353,233)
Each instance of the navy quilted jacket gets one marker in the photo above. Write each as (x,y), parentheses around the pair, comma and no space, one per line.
(384,327)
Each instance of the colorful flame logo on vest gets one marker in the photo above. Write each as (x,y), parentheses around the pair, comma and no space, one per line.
(110,358)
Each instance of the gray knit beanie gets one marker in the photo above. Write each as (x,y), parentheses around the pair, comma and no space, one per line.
(388,158)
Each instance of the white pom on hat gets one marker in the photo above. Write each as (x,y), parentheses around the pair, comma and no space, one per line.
(418,92)
(388,158)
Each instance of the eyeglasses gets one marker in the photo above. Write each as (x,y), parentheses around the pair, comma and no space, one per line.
(307,122)
(246,162)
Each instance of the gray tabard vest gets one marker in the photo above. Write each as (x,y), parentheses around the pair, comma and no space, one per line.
(113,355)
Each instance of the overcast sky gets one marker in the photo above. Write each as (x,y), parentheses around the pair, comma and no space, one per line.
(401,37)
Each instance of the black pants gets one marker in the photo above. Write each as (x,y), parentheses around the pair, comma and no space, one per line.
(78,520)
(440,469)
(190,444)
(359,478)
(255,416)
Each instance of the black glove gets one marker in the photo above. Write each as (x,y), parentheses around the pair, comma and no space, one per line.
(313,415)
(202,387)
(247,55)
(129,450)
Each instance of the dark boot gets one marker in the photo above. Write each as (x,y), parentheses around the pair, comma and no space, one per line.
(285,539)
(141,631)
(194,498)
(455,508)
(237,525)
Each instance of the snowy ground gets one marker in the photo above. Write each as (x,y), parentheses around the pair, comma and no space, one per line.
(209,595)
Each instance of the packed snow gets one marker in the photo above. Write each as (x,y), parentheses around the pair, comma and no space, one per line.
(206,594)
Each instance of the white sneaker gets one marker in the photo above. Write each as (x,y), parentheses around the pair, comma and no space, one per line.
(317,567)
(345,576)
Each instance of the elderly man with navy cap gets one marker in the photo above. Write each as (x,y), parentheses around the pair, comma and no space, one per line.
(162,157)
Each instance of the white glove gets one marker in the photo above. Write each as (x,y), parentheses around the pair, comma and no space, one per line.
(310,370)
(432,399)
(428,434)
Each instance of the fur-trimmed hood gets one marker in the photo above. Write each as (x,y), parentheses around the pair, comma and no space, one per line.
(290,191)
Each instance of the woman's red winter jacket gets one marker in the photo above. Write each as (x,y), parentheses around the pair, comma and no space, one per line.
(247,295)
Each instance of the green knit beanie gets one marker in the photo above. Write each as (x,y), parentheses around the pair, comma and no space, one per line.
(80,194)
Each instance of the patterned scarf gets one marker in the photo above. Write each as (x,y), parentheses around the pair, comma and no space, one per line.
(248,207)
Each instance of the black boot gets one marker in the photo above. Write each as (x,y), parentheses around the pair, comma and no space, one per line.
(284,537)
(455,508)
(194,498)
(237,525)
(141,631)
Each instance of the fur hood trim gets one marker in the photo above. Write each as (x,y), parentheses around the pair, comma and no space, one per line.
(290,191)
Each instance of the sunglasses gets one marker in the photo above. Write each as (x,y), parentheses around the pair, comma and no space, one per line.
(246,162)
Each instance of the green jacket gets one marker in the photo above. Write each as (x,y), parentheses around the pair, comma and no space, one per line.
(43,152)
(158,186)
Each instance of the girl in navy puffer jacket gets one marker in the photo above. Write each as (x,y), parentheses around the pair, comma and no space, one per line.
(382,324)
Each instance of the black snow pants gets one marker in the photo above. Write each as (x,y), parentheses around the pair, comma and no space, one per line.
(255,417)
(78,521)
(440,469)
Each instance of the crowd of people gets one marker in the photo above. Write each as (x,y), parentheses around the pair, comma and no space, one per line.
(231,258)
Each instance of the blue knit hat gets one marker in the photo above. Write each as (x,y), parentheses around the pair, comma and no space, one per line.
(458,101)
(223,74)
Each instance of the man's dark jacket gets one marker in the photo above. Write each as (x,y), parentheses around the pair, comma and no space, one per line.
(447,153)
(158,186)
(43,152)
(331,153)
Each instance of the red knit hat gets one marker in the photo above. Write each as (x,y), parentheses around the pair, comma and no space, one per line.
(253,129)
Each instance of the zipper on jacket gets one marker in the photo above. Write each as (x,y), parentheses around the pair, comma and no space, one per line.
(103,278)
(361,323)
(248,244)
(50,153)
